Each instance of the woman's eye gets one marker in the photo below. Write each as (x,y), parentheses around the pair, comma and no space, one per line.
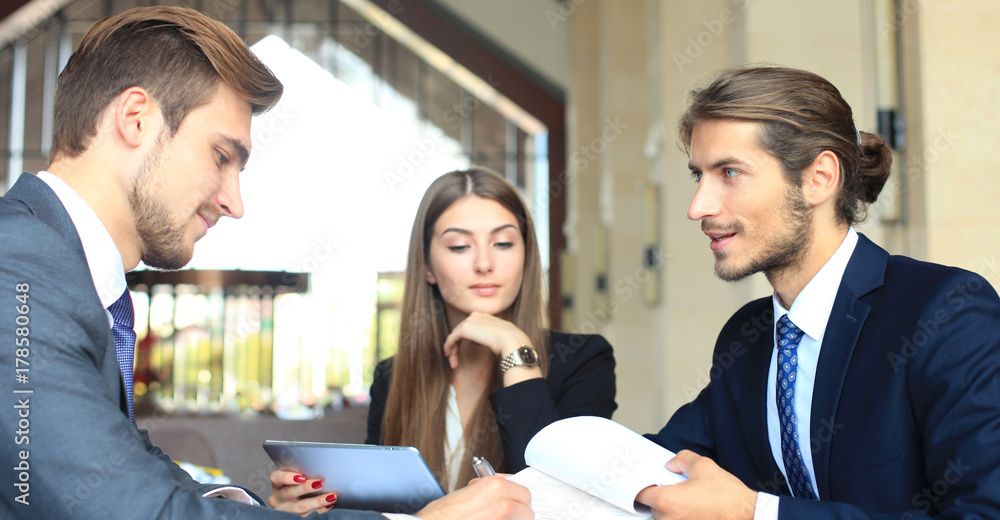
(505,245)
(458,249)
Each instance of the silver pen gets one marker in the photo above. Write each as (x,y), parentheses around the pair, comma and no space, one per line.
(482,467)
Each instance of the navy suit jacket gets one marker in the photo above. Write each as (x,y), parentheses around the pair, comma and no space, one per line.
(905,417)
(79,455)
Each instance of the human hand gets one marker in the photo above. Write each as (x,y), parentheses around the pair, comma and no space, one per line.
(490,498)
(499,335)
(288,489)
(710,492)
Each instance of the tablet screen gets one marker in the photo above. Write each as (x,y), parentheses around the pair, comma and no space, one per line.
(388,479)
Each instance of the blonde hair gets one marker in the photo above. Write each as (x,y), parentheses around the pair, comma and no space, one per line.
(418,395)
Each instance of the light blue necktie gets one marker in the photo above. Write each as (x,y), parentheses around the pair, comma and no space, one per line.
(124,317)
(788,336)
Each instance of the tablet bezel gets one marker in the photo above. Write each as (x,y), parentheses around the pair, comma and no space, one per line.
(388,479)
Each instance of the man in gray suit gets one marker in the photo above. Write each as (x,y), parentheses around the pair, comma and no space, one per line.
(152,127)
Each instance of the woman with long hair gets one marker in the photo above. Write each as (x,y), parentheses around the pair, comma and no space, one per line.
(477,371)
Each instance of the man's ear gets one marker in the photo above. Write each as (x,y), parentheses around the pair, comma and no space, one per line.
(133,116)
(822,179)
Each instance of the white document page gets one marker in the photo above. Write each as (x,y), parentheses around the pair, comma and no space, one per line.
(602,458)
(554,500)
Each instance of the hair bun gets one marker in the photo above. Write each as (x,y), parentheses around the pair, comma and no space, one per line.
(875,166)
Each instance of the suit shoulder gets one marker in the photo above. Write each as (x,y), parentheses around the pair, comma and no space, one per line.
(14,216)
(25,237)
(578,342)
(925,279)
(569,351)
(383,369)
(759,309)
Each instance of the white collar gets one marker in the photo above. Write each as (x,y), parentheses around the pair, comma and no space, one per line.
(811,309)
(103,258)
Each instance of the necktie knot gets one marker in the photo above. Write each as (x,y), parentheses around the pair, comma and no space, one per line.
(788,335)
(123,332)
(122,311)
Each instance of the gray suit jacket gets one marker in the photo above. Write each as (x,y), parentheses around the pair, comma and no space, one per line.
(70,450)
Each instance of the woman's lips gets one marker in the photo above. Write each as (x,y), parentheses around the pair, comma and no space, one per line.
(485,289)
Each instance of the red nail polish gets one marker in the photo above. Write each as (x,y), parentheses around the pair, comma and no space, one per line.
(332,497)
(299,478)
(318,484)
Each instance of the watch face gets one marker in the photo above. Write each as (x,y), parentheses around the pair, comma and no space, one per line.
(528,356)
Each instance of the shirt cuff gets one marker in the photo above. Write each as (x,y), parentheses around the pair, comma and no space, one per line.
(399,516)
(232,493)
(766,507)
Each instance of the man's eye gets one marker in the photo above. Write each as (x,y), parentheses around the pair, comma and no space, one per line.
(696,176)
(223,160)
(731,172)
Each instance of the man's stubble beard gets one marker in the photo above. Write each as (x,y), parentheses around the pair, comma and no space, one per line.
(785,252)
(161,240)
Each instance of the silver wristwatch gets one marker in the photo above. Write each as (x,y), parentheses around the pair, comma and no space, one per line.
(524,356)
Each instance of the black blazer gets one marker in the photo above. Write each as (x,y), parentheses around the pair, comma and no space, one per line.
(86,460)
(905,417)
(581,381)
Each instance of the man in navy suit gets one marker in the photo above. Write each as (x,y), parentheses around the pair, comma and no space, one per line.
(867,385)
(152,120)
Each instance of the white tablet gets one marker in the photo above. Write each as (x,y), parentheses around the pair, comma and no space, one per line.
(388,479)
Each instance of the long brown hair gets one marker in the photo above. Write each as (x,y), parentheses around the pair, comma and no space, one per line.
(800,115)
(177,54)
(418,396)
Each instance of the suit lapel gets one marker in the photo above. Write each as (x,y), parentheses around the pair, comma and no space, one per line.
(753,396)
(865,272)
(39,200)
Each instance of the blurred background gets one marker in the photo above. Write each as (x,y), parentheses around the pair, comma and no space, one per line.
(283,314)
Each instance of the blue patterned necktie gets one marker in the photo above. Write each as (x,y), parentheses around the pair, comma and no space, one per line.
(124,317)
(788,336)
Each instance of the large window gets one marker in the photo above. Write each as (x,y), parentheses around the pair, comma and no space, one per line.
(371,115)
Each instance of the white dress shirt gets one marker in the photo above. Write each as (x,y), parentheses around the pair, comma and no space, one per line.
(454,446)
(105,263)
(810,312)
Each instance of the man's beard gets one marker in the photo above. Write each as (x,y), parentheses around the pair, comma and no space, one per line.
(782,252)
(161,240)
